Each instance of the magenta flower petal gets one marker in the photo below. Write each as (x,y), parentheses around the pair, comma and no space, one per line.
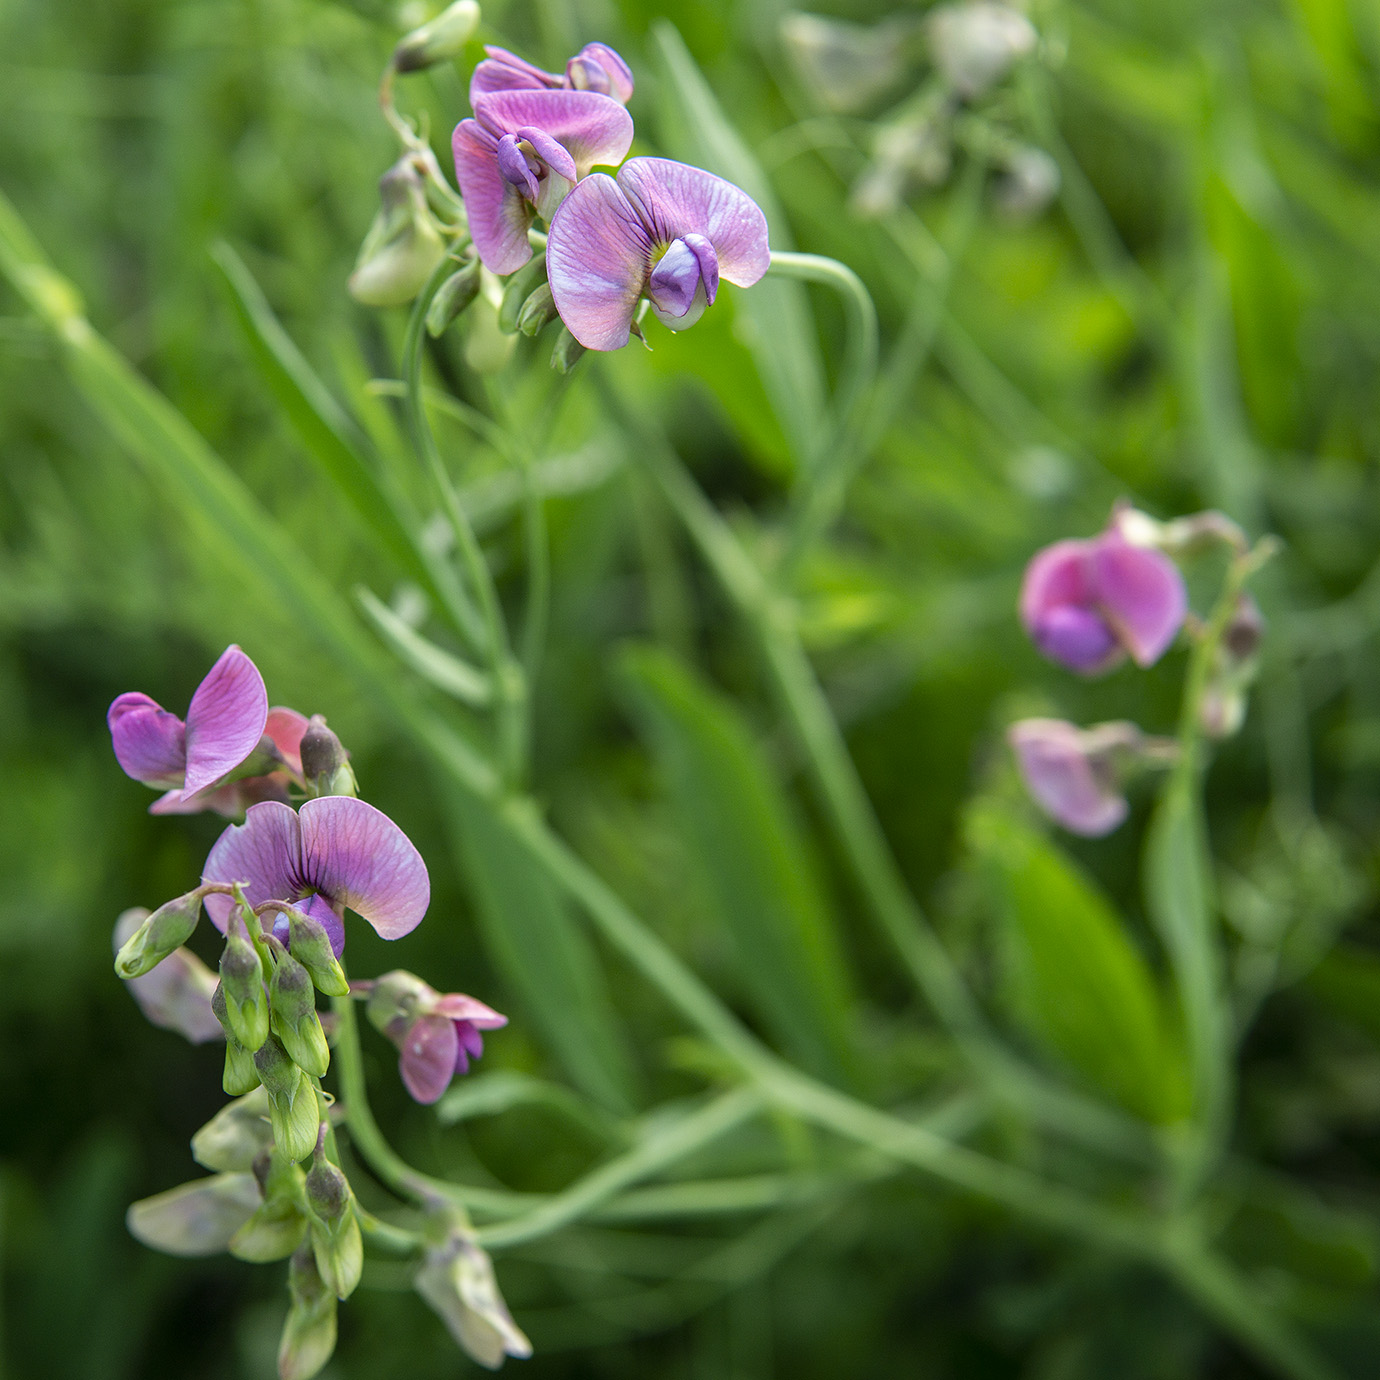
(505,71)
(1074,787)
(149,742)
(596,67)
(469,1045)
(597,258)
(430,1048)
(265,852)
(225,720)
(1140,592)
(1060,612)
(673,201)
(461,1007)
(499,215)
(287,728)
(595,130)
(359,858)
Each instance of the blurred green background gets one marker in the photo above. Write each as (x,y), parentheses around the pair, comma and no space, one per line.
(1193,321)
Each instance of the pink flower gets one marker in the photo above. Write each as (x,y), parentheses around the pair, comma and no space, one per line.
(284,729)
(1089,603)
(596,67)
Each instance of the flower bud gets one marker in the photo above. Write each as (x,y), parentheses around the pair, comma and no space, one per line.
(325,763)
(279,1226)
(194,1219)
(567,352)
(519,287)
(240,1076)
(537,311)
(457,1280)
(292,1000)
(453,297)
(293,1107)
(242,987)
(396,998)
(310,945)
(168,928)
(1029,182)
(335,1235)
(1235,664)
(488,348)
(234,1138)
(403,245)
(177,994)
(439,40)
(309,1333)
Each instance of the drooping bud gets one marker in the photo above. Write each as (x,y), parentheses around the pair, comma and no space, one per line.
(293,1107)
(1235,664)
(242,987)
(439,40)
(567,352)
(234,1138)
(453,297)
(325,763)
(195,1219)
(168,928)
(292,1000)
(457,1280)
(176,995)
(1179,536)
(403,245)
(396,998)
(279,1226)
(537,311)
(311,947)
(335,1235)
(309,1333)
(240,1077)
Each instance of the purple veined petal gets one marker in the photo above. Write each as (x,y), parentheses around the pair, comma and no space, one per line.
(595,130)
(499,215)
(287,728)
(504,71)
(461,1007)
(359,858)
(149,742)
(427,1062)
(551,152)
(617,73)
(317,908)
(1073,789)
(1142,594)
(265,852)
(673,201)
(597,259)
(1078,638)
(675,279)
(226,719)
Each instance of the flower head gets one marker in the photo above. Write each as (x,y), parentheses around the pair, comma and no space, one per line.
(283,730)
(658,228)
(336,853)
(522,153)
(1089,603)
(1070,773)
(596,67)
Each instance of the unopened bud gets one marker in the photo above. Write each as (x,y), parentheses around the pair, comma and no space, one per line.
(439,40)
(292,999)
(453,297)
(325,763)
(240,1075)
(242,987)
(457,1280)
(1235,663)
(309,1333)
(199,1218)
(335,1235)
(311,947)
(520,286)
(537,311)
(235,1137)
(168,928)
(396,999)
(568,352)
(403,246)
(274,1231)
(176,995)
(293,1108)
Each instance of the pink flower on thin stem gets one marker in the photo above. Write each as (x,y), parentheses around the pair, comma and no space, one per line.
(522,153)
(1089,603)
(335,853)
(659,228)
(596,67)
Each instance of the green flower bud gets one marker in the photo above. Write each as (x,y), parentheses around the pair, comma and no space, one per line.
(537,311)
(309,1333)
(335,1236)
(311,947)
(240,1076)
(280,1225)
(292,999)
(520,286)
(168,928)
(199,1218)
(292,1103)
(567,353)
(396,998)
(235,1136)
(453,297)
(242,985)
(403,245)
(439,40)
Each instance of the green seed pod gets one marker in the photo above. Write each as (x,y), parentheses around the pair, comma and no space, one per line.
(292,999)
(311,947)
(453,297)
(537,311)
(242,983)
(168,928)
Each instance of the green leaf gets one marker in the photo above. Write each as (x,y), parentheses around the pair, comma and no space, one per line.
(747,846)
(443,669)
(1080,985)
(1347,982)
(545,956)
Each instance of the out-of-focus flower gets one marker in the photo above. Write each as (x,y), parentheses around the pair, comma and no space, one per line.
(1089,603)
(659,228)
(1027,184)
(175,995)
(436,1034)
(976,42)
(338,852)
(520,155)
(404,243)
(845,65)
(195,1219)
(457,1280)
(1179,536)
(439,40)
(236,1136)
(1074,774)
(913,151)
(596,67)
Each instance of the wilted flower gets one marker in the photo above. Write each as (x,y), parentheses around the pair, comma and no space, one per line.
(1089,603)
(522,153)
(659,228)
(844,64)
(976,42)
(176,995)
(195,1219)
(596,67)
(338,852)
(404,243)
(457,1280)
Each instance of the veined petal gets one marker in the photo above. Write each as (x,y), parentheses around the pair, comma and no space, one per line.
(505,71)
(287,727)
(149,742)
(461,1007)
(427,1063)
(1141,593)
(596,130)
(673,201)
(617,72)
(357,857)
(597,258)
(498,213)
(226,719)
(265,852)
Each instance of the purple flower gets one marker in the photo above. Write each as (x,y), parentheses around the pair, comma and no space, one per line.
(1089,603)
(176,995)
(596,67)
(522,153)
(337,852)
(659,228)
(224,724)
(1071,772)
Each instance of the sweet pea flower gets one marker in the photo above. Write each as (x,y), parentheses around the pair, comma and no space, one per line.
(659,228)
(1089,603)
(520,155)
(284,730)
(337,852)
(596,67)
(224,725)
